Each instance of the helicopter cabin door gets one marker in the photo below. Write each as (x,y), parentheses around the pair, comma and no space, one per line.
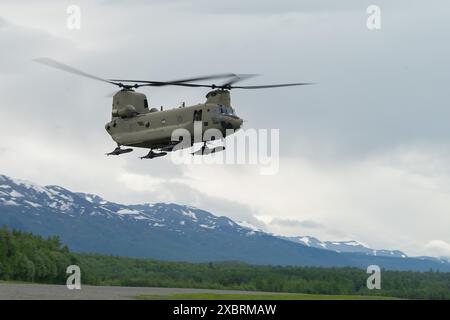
(198,115)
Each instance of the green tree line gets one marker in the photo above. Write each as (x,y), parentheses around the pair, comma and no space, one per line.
(121,271)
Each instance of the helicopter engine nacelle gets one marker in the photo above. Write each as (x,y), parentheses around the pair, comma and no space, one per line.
(127,103)
(221,97)
(127,111)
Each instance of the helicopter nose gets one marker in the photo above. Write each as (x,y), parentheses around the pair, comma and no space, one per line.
(239,122)
(234,123)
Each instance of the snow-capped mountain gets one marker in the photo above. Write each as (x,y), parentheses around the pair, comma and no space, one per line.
(22,196)
(88,223)
(345,246)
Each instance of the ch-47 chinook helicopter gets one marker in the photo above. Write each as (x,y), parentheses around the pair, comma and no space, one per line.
(134,124)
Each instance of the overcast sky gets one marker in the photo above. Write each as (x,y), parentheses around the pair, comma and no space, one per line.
(364,154)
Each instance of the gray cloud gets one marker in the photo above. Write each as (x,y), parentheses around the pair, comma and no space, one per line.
(3,23)
(364,142)
(258,7)
(159,168)
(308,224)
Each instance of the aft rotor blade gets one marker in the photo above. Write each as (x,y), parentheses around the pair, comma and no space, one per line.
(272,86)
(228,87)
(173,82)
(61,66)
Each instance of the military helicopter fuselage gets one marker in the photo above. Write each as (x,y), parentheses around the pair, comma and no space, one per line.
(135,124)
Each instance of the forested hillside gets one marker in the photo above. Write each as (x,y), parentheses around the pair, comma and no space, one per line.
(107,270)
(27,257)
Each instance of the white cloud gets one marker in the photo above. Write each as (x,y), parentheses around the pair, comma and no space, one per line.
(392,200)
(438,248)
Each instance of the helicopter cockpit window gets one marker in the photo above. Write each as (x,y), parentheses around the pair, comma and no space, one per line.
(227,111)
(145,103)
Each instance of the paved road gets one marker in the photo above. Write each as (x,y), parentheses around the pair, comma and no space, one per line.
(58,292)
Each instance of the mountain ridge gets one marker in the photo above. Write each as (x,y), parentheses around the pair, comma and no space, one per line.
(345,246)
(89,223)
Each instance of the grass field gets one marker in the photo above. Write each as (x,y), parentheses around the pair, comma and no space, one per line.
(208,296)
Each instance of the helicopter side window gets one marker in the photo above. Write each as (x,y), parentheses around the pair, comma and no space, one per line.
(145,103)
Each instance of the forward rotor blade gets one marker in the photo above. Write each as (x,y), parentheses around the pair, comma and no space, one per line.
(209,77)
(61,66)
(173,82)
(194,85)
(111,94)
(238,78)
(271,86)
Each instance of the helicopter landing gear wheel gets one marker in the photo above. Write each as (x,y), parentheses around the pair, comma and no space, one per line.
(205,150)
(118,151)
(151,154)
